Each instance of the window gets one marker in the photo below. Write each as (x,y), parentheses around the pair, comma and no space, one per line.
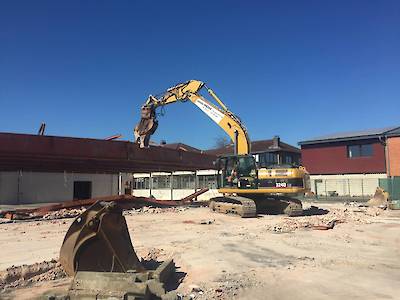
(161,182)
(359,150)
(141,183)
(267,159)
(288,159)
(207,181)
(184,181)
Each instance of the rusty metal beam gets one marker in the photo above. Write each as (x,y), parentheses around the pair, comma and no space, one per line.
(121,199)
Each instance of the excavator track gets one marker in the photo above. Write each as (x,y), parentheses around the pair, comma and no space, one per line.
(244,207)
(248,208)
(294,208)
(289,206)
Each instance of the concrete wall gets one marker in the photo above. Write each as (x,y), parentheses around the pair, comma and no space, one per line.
(346,185)
(41,187)
(165,194)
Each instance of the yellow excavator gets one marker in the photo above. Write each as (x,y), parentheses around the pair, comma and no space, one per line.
(246,189)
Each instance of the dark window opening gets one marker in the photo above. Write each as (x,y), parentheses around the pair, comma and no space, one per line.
(359,150)
(267,159)
(82,190)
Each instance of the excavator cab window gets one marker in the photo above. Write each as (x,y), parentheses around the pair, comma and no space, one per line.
(246,166)
(237,172)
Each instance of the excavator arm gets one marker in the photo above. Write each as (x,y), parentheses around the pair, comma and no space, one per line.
(190,91)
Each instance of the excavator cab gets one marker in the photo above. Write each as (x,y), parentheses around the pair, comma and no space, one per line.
(237,171)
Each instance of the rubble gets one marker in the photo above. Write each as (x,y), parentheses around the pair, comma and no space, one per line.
(379,199)
(358,215)
(153,210)
(73,208)
(153,254)
(25,275)
(63,213)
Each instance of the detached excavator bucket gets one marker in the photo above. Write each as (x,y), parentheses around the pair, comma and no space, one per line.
(98,240)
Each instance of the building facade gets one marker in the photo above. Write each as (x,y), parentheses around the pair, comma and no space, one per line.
(43,169)
(352,163)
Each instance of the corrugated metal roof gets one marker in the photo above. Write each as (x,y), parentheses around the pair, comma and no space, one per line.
(353,135)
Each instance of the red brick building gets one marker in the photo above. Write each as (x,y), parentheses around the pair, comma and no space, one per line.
(367,155)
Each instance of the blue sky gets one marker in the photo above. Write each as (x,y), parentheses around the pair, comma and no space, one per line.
(297,69)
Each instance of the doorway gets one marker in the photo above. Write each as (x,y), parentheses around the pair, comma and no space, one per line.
(82,190)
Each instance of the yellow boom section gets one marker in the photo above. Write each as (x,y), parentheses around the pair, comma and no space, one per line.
(218,112)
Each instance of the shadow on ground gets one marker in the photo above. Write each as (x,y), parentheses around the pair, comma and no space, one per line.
(172,283)
(314,211)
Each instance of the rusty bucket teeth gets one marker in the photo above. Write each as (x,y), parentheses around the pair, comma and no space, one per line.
(98,240)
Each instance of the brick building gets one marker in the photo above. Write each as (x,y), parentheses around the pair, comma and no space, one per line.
(352,163)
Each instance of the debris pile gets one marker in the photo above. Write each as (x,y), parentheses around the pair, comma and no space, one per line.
(64,213)
(73,208)
(153,210)
(357,215)
(379,199)
(153,254)
(20,276)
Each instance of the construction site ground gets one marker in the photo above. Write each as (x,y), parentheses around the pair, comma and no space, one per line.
(225,257)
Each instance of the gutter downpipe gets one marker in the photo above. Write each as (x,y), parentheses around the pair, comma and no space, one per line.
(384,141)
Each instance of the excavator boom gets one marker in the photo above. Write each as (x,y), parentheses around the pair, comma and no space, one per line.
(190,91)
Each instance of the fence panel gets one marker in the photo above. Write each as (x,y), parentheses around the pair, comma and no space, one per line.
(392,186)
(349,187)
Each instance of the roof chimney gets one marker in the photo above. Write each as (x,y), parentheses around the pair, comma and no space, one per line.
(276,142)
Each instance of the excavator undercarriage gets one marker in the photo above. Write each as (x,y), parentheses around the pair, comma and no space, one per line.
(250,208)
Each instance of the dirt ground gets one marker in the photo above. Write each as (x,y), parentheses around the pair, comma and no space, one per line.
(225,257)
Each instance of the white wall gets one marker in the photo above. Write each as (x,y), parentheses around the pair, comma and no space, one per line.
(41,187)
